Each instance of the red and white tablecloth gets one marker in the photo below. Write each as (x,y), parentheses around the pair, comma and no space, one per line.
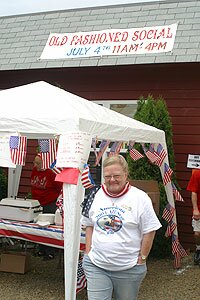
(50,236)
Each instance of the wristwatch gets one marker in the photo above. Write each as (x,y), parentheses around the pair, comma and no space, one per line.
(143,257)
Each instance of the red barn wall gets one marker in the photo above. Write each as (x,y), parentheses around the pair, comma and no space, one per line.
(177,83)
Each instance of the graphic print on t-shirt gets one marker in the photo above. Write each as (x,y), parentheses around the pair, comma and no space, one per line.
(110,219)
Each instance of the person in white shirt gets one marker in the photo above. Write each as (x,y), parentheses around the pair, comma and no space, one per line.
(120,228)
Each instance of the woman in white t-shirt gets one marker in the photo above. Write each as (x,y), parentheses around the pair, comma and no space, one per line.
(120,227)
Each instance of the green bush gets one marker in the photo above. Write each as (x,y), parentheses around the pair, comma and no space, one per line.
(154,112)
(3,184)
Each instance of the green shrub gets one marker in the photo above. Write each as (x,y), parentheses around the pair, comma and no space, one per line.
(154,112)
(3,184)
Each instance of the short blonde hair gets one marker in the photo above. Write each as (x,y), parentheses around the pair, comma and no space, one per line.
(116,159)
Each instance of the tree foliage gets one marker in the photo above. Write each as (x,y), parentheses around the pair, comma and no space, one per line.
(3,184)
(154,112)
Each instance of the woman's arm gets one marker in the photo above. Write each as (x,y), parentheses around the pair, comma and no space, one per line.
(146,245)
(88,238)
(196,213)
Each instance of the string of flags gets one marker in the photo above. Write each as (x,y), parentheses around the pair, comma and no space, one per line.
(48,153)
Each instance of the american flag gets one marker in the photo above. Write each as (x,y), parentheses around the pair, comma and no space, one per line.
(151,153)
(115,148)
(168,212)
(177,250)
(18,146)
(162,154)
(47,149)
(81,279)
(55,169)
(167,174)
(86,178)
(86,204)
(102,148)
(135,154)
(170,228)
(176,193)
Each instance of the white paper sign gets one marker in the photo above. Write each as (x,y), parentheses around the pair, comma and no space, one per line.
(145,40)
(5,157)
(73,150)
(193,161)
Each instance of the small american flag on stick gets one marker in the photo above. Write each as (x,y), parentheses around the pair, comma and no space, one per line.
(178,251)
(47,149)
(162,154)
(170,228)
(115,148)
(135,154)
(176,193)
(102,148)
(81,279)
(151,153)
(86,178)
(18,145)
(168,213)
(167,174)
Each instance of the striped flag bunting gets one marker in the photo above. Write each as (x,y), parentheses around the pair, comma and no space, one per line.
(151,153)
(167,174)
(55,169)
(81,278)
(86,178)
(135,154)
(170,229)
(115,148)
(162,153)
(102,148)
(18,146)
(168,212)
(176,193)
(47,150)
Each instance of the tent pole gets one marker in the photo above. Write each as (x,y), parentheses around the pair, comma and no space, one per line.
(72,197)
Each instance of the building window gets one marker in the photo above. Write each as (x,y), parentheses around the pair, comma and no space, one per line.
(125,107)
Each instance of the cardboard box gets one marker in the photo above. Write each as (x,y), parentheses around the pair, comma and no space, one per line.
(15,262)
(151,188)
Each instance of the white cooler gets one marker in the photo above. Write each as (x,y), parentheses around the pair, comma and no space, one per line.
(19,209)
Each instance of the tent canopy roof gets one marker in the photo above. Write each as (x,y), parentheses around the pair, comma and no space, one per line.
(41,110)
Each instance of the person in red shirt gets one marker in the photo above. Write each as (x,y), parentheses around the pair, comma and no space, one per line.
(46,190)
(194,187)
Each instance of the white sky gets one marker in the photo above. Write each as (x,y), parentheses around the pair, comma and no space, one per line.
(15,7)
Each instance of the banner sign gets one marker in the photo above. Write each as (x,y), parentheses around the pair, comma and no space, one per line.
(73,149)
(144,40)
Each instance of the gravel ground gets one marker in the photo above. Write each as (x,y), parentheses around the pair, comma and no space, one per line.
(45,281)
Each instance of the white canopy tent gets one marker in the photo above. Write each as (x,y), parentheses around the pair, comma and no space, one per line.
(40,110)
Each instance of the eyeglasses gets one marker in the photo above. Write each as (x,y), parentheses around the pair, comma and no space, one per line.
(109,177)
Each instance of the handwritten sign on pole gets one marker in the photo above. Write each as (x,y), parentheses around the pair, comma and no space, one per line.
(5,155)
(145,40)
(73,149)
